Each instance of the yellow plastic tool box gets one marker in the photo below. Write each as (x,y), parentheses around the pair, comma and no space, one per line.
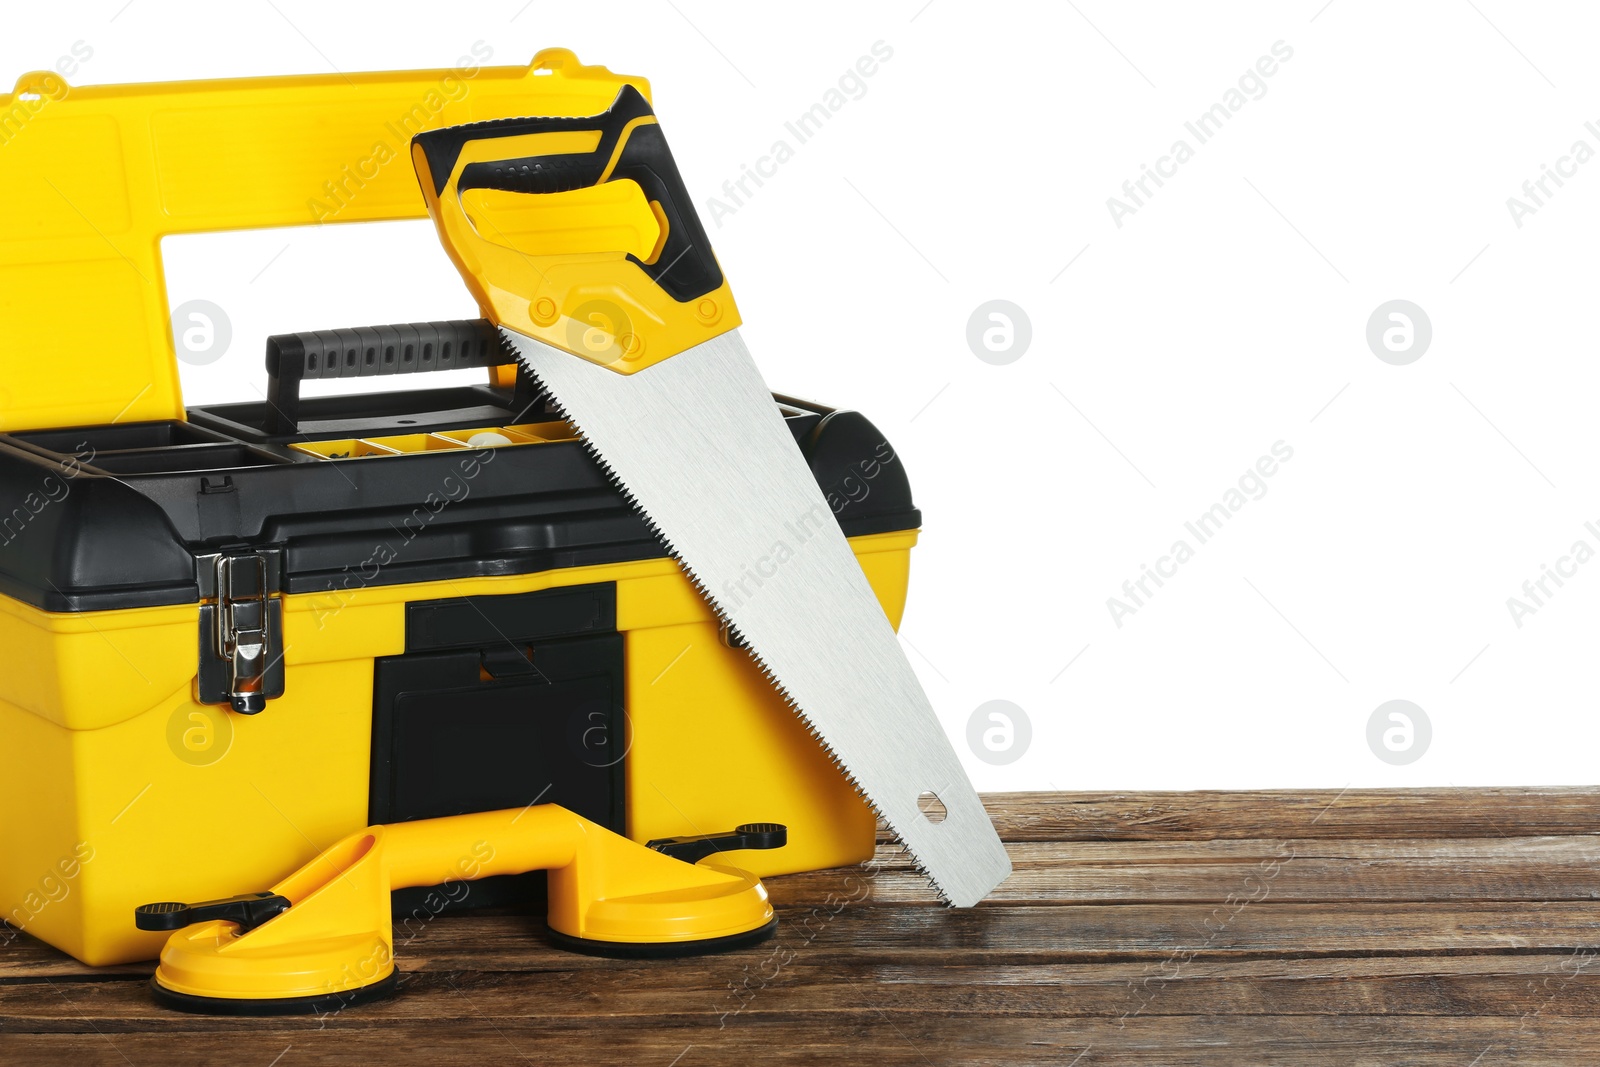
(232,636)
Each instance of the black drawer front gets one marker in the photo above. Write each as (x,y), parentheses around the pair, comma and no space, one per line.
(511,722)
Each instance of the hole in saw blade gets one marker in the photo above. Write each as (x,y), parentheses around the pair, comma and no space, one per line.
(931,806)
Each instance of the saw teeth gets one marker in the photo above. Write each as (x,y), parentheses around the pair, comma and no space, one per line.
(706,595)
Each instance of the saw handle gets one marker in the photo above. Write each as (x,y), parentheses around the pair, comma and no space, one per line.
(570,278)
(631,147)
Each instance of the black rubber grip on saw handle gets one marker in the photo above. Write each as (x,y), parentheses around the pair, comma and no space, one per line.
(406,348)
(685,267)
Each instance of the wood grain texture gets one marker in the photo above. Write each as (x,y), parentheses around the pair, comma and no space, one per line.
(1361,813)
(1437,927)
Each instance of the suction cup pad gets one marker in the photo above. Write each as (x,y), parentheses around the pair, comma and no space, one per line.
(628,950)
(323,1004)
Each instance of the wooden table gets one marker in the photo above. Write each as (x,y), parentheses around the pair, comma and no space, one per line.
(1448,927)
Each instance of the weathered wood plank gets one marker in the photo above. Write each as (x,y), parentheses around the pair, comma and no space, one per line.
(1541,868)
(1370,813)
(1370,927)
(24,957)
(831,985)
(912,1040)
(1061,933)
(1088,933)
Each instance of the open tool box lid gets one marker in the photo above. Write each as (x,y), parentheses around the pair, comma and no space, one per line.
(116,496)
(93,178)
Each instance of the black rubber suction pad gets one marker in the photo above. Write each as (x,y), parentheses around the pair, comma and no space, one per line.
(629,950)
(322,1004)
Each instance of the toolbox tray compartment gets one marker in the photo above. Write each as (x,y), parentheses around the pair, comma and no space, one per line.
(92,440)
(327,417)
(117,514)
(182,459)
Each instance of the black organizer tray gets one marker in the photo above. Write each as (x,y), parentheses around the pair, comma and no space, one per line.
(115,516)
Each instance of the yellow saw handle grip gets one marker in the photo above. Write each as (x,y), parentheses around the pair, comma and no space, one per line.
(578,232)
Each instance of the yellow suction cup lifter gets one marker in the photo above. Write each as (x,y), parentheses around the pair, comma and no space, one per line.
(322,939)
(606,259)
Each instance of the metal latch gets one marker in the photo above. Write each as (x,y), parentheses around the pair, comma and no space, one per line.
(241,633)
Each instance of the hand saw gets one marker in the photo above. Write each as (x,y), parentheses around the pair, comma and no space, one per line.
(577,237)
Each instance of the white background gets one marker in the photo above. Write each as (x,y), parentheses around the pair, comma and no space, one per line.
(1227,314)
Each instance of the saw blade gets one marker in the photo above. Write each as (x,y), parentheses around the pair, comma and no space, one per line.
(700,448)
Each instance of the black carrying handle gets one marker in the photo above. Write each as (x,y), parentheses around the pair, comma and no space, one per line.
(684,267)
(359,352)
